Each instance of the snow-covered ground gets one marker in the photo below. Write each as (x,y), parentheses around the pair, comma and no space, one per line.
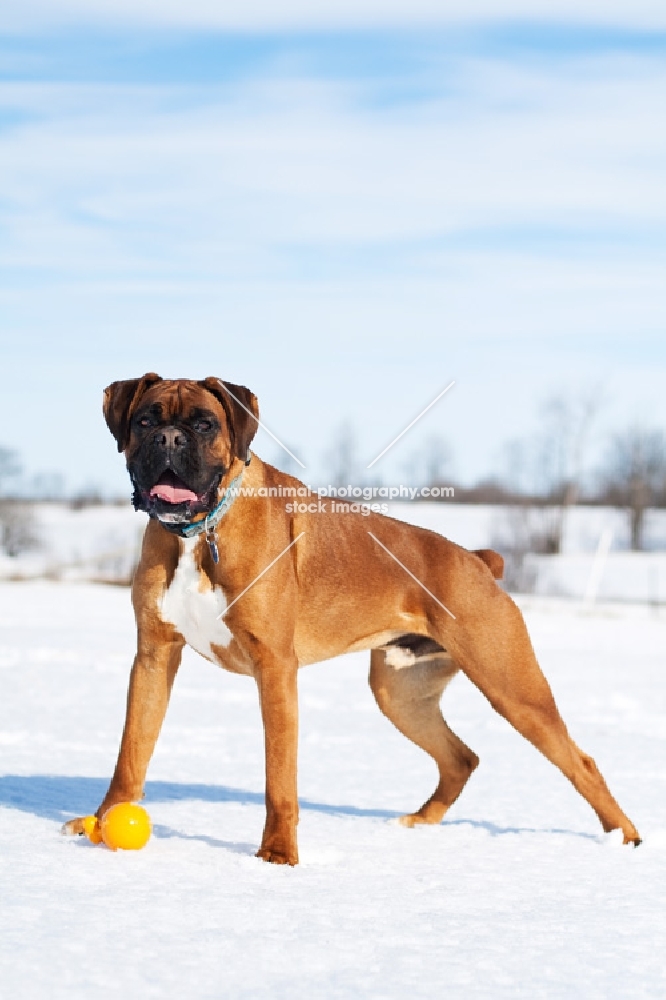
(97,542)
(516,894)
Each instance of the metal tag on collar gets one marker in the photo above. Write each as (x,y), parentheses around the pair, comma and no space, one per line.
(212,543)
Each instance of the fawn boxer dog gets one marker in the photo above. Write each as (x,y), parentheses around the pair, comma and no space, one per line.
(424,606)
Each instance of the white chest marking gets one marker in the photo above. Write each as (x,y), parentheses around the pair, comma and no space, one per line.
(192,605)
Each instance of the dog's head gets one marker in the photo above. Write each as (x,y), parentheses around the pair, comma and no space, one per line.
(181,439)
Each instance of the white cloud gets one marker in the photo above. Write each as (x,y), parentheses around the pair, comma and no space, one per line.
(260,15)
(229,187)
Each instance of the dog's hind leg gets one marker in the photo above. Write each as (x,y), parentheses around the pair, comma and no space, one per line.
(489,641)
(408,691)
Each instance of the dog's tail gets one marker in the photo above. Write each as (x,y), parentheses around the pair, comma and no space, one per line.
(493,561)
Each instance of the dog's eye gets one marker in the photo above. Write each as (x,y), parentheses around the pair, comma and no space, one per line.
(144,421)
(201,425)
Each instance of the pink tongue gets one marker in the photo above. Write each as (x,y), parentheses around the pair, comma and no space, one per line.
(172,494)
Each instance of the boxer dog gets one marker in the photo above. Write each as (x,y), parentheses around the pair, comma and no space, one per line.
(262,590)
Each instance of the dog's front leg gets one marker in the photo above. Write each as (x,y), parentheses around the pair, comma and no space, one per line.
(151,680)
(153,673)
(278,695)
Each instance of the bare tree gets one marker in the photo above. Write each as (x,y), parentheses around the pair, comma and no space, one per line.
(47,486)
(520,531)
(567,419)
(427,466)
(341,459)
(16,532)
(438,457)
(518,477)
(10,468)
(548,467)
(285,462)
(634,475)
(16,529)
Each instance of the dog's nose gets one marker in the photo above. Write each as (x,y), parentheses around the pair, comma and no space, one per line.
(171,439)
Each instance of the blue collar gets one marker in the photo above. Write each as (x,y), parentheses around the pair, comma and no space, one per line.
(212,519)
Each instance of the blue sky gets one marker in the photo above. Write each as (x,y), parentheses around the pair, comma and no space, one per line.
(344,215)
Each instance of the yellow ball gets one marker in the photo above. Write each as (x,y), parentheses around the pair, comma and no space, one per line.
(92,830)
(126,826)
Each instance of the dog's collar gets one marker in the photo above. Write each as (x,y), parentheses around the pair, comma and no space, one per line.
(209,522)
(213,518)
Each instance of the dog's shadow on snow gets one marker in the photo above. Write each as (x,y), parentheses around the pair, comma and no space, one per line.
(59,798)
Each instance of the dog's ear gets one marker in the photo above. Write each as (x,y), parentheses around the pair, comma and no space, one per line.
(120,402)
(242,410)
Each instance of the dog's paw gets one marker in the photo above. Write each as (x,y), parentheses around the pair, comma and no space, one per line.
(73,827)
(428,815)
(409,820)
(277,857)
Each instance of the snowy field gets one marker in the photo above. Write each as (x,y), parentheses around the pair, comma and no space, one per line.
(516,894)
(98,542)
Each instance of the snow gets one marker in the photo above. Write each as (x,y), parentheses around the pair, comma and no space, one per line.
(478,526)
(516,894)
(99,542)
(626,576)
